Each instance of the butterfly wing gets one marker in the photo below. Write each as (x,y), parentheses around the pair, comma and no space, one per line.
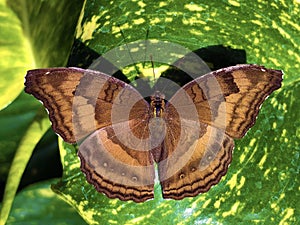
(223,105)
(194,155)
(230,98)
(81,101)
(112,117)
(118,164)
(190,170)
(55,88)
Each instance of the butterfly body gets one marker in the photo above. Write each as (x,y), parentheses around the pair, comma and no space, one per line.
(157,104)
(189,137)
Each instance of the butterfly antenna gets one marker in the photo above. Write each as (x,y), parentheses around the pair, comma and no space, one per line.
(152,64)
(146,46)
(134,64)
(154,75)
(153,71)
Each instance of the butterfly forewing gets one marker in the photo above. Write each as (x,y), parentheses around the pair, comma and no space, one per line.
(230,98)
(81,101)
(55,88)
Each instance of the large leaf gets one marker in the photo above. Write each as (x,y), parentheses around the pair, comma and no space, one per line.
(32,35)
(262,183)
(15,55)
(251,26)
(22,156)
(37,204)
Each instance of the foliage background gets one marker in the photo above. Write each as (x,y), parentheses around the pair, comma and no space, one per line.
(262,184)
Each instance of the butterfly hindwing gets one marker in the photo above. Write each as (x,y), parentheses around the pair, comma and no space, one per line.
(116,167)
(205,162)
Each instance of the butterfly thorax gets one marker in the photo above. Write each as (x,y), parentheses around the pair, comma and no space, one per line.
(157,104)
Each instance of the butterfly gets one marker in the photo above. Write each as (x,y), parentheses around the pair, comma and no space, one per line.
(121,136)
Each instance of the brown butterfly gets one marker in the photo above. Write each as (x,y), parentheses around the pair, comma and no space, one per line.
(122,136)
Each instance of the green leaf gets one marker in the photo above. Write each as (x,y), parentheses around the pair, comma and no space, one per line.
(262,183)
(17,117)
(24,151)
(15,54)
(37,204)
(33,34)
